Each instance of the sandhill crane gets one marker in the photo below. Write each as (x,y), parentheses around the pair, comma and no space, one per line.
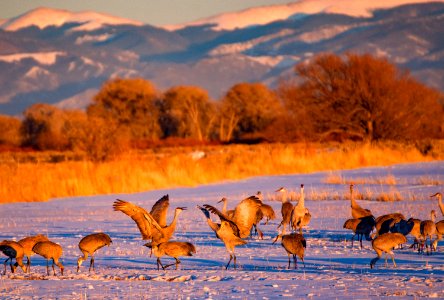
(356,210)
(361,227)
(227,231)
(264,211)
(259,217)
(439,232)
(298,212)
(172,249)
(428,229)
(245,214)
(12,250)
(50,250)
(294,244)
(28,243)
(267,210)
(404,227)
(151,225)
(385,222)
(89,245)
(306,219)
(286,209)
(229,213)
(385,243)
(440,204)
(415,231)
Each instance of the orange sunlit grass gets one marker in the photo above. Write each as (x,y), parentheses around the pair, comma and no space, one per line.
(174,167)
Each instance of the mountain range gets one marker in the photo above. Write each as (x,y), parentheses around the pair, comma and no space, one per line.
(63,58)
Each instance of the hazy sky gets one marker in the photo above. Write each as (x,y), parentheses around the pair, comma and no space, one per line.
(154,12)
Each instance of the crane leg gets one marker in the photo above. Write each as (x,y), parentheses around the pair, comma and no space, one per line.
(91,264)
(6,261)
(295,261)
(47,266)
(231,257)
(53,268)
(159,263)
(289,262)
(234,261)
(28,265)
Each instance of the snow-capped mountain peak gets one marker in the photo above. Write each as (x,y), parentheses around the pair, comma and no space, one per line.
(266,14)
(43,17)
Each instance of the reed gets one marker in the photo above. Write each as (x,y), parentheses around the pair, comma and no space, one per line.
(46,178)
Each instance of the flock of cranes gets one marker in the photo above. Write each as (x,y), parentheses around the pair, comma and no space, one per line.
(390,230)
(233,227)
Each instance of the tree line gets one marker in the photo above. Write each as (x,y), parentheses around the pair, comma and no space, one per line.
(331,97)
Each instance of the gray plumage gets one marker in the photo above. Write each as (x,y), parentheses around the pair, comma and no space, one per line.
(356,210)
(172,249)
(286,209)
(227,231)
(89,244)
(152,225)
(50,250)
(294,244)
(361,227)
(385,243)
(439,232)
(298,212)
(428,229)
(28,243)
(385,222)
(440,204)
(12,250)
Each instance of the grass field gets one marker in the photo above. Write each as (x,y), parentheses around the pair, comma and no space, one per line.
(29,177)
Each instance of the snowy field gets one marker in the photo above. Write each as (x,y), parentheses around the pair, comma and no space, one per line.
(333,270)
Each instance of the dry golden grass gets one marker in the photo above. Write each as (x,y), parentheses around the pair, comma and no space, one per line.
(40,180)
(337,178)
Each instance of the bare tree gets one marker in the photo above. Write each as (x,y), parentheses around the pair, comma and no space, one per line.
(188,112)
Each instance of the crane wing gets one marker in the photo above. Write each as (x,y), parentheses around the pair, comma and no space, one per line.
(245,214)
(145,222)
(160,209)
(223,219)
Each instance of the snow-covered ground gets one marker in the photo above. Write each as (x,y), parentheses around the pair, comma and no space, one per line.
(332,268)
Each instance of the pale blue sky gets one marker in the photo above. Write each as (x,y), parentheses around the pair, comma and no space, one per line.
(154,12)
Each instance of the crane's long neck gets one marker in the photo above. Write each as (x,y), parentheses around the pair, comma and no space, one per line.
(440,204)
(352,198)
(174,222)
(224,207)
(432,216)
(284,197)
(81,259)
(301,202)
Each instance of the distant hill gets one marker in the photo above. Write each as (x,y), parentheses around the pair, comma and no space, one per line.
(63,58)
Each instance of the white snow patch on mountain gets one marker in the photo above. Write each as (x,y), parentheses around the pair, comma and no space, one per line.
(93,38)
(266,14)
(44,58)
(43,17)
(35,72)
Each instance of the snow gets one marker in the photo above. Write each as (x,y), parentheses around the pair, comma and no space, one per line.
(43,17)
(93,38)
(266,14)
(332,269)
(44,58)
